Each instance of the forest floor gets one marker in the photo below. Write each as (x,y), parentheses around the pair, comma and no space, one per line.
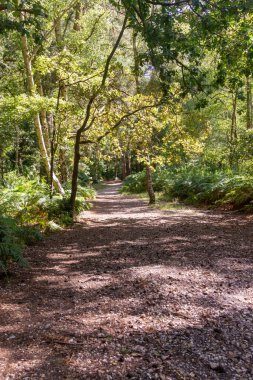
(133,293)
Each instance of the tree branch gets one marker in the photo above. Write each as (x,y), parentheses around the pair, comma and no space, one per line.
(93,29)
(84,126)
(118,123)
(115,47)
(168,4)
(47,34)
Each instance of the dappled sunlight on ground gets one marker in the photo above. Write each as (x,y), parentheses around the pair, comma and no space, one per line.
(133,293)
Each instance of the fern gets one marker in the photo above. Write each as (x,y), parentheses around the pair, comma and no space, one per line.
(198,185)
(13,240)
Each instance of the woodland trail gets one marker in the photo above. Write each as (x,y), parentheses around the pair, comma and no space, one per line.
(133,293)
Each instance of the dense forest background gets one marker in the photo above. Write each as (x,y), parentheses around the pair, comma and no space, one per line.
(157,92)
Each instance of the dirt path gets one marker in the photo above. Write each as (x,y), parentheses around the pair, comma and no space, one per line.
(133,293)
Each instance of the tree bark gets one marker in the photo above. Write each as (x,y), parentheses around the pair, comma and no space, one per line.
(149,182)
(17,153)
(116,168)
(123,166)
(77,157)
(37,122)
(87,123)
(43,119)
(138,167)
(233,133)
(78,10)
(150,188)
(63,167)
(136,63)
(58,31)
(128,164)
(249,102)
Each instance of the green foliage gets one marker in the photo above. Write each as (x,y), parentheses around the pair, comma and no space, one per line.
(22,198)
(195,185)
(28,209)
(182,75)
(219,189)
(28,201)
(13,239)
(134,183)
(57,208)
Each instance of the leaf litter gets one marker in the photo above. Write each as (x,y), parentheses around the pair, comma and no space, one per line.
(133,293)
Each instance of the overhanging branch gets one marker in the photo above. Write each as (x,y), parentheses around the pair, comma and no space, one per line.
(118,123)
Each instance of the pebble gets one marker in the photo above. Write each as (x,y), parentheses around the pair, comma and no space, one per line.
(12,337)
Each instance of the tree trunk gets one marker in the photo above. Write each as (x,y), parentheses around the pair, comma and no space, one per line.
(57,31)
(63,167)
(128,164)
(233,133)
(116,168)
(17,153)
(43,119)
(2,168)
(86,123)
(249,102)
(37,122)
(136,63)
(76,26)
(75,172)
(52,169)
(123,165)
(150,189)
(233,130)
(138,166)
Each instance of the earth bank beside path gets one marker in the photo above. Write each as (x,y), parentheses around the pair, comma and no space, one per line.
(133,293)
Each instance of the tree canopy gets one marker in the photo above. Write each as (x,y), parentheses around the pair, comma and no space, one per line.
(102,89)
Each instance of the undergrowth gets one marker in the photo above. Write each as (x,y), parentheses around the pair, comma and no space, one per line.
(27,210)
(13,239)
(29,203)
(198,186)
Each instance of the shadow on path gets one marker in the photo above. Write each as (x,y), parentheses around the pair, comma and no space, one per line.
(133,293)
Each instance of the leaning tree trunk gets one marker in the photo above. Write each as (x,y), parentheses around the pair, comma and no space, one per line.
(149,182)
(87,123)
(37,122)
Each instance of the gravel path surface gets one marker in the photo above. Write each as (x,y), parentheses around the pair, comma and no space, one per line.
(133,293)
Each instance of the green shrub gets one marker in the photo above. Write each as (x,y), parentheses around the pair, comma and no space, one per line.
(28,201)
(27,209)
(13,240)
(162,180)
(21,198)
(134,183)
(196,185)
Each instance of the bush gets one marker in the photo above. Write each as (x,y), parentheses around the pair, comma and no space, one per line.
(21,198)
(134,183)
(198,186)
(28,209)
(28,202)
(192,184)
(13,240)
